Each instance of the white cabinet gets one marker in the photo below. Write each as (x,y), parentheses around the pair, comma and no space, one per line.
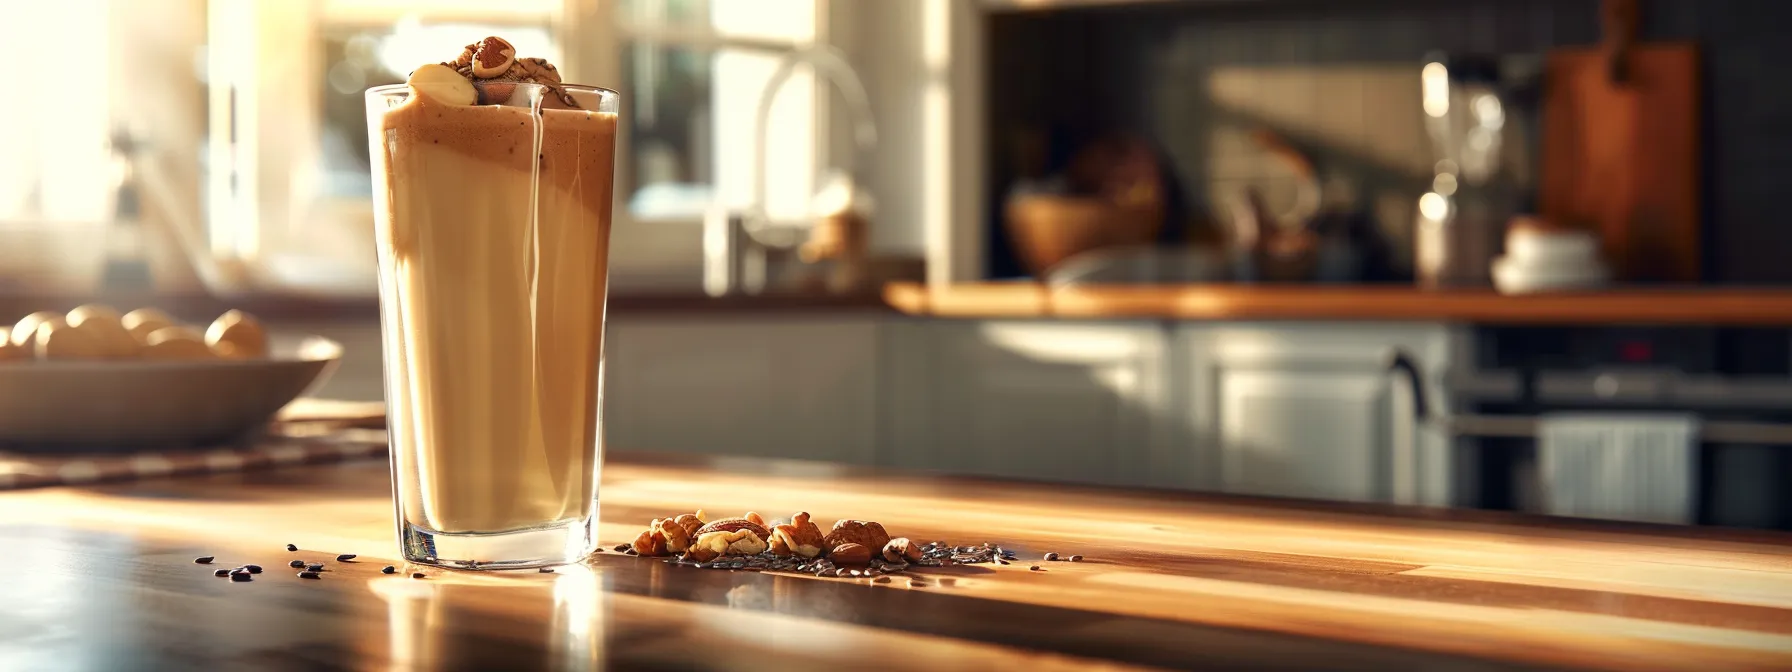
(1048,400)
(785,387)
(1315,411)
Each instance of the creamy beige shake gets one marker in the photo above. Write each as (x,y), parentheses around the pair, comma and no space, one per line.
(493,240)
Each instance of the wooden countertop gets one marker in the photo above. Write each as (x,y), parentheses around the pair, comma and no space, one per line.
(1660,306)
(102,577)
(1712,306)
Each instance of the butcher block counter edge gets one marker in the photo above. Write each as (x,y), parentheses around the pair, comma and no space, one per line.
(1663,305)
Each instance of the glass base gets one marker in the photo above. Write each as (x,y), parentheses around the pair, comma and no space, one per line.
(559,544)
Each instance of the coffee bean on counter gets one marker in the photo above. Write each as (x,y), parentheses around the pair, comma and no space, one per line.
(253,569)
(546,570)
(296,564)
(314,567)
(309,575)
(345,557)
(204,559)
(221,572)
(291,547)
(1076,558)
(417,575)
(1049,557)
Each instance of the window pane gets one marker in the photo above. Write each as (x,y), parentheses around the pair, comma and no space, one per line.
(57,162)
(665,12)
(683,156)
(781,20)
(669,124)
(792,20)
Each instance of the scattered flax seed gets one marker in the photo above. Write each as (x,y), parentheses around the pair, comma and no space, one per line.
(417,575)
(240,576)
(221,572)
(345,557)
(314,567)
(388,569)
(621,548)
(291,547)
(1034,568)
(204,559)
(309,575)
(253,569)
(1051,557)
(296,564)
(545,570)
(1076,558)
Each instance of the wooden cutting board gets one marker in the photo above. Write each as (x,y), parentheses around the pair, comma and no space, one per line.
(1622,157)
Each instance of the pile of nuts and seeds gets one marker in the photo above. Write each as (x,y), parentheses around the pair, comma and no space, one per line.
(851,549)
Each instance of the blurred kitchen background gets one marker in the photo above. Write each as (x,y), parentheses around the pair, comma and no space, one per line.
(940,178)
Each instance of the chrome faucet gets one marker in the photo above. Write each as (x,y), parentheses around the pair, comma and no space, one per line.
(737,242)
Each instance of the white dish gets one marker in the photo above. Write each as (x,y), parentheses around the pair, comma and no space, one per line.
(1511,277)
(121,405)
(1571,247)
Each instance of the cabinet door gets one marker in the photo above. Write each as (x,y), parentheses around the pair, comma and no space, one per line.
(1314,411)
(1059,401)
(1321,432)
(789,388)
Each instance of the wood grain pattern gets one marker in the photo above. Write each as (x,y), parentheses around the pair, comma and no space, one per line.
(103,578)
(1664,306)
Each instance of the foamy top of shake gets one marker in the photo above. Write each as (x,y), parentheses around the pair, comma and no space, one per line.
(487,72)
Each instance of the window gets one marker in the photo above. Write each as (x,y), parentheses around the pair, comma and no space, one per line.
(289,187)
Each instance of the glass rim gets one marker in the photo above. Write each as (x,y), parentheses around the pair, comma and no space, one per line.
(387,90)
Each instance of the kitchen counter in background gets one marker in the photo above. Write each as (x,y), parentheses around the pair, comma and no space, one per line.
(1710,306)
(1691,306)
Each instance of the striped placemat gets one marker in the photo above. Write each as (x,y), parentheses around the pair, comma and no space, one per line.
(278,449)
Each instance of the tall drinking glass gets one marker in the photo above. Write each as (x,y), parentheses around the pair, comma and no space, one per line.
(493,230)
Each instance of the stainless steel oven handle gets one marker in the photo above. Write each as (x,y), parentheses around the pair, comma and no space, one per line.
(1522,426)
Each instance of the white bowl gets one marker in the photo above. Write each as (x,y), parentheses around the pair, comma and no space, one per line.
(1512,277)
(123,405)
(1568,247)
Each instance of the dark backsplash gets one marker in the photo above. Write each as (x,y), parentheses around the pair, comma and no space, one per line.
(1152,69)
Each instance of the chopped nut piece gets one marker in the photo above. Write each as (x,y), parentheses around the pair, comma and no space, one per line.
(690,523)
(711,545)
(733,524)
(677,539)
(649,544)
(850,554)
(864,533)
(800,537)
(901,549)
